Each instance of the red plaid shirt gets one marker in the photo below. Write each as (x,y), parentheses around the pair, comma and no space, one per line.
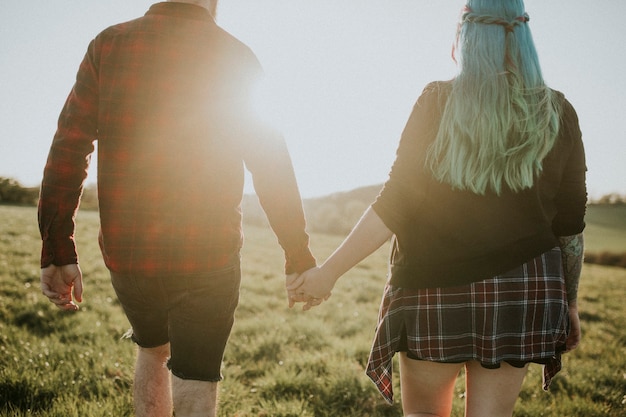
(167,98)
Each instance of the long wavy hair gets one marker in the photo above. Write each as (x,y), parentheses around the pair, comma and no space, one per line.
(500,119)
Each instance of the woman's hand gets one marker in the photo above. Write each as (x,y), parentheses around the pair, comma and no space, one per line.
(312,287)
(573,339)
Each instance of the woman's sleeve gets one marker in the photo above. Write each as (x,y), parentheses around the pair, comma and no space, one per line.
(402,193)
(571,199)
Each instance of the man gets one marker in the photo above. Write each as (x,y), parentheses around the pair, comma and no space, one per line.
(167,98)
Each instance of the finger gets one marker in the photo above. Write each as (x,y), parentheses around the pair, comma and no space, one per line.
(312,302)
(295,283)
(78,289)
(572,342)
(59,300)
(300,298)
(295,298)
(301,294)
(68,307)
(297,295)
(309,305)
(45,290)
(317,301)
(290,278)
(52,295)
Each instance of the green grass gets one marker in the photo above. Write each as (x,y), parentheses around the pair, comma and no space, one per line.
(606,228)
(279,362)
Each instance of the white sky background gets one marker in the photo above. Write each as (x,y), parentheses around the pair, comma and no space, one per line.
(345,74)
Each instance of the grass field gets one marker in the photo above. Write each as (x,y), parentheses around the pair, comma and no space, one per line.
(279,362)
(606,228)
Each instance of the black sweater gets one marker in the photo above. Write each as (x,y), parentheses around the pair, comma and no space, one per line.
(446,237)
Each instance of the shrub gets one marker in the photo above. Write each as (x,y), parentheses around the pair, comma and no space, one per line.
(606,258)
(12,192)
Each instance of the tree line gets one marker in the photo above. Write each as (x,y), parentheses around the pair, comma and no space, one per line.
(12,192)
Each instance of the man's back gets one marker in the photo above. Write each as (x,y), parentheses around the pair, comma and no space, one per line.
(167,96)
(173,92)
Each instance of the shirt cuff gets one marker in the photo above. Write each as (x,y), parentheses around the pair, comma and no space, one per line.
(59,253)
(300,261)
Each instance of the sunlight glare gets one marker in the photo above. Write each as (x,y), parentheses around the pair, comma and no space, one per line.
(268,103)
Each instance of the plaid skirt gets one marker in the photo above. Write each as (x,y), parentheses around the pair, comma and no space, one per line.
(517,317)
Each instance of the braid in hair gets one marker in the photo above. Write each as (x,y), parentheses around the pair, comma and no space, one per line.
(515,78)
(508,25)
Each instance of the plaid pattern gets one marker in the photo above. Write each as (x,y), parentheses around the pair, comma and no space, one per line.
(520,316)
(167,96)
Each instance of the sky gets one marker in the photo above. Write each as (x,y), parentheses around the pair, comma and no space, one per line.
(343,74)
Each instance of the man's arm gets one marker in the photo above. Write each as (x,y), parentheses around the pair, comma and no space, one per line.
(275,184)
(61,188)
(67,165)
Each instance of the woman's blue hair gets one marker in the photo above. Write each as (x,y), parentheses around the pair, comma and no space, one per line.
(500,120)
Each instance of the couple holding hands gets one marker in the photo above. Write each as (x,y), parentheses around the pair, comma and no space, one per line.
(484,204)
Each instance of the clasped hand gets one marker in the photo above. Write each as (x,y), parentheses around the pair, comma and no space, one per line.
(311,287)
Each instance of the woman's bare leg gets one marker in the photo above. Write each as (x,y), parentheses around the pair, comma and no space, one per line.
(492,392)
(427,387)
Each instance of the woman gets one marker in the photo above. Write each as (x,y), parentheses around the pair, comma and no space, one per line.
(485,203)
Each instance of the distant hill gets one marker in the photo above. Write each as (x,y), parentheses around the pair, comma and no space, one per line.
(333,214)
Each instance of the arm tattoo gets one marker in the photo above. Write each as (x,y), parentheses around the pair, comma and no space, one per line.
(572,257)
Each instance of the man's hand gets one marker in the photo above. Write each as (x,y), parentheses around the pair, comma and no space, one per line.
(291,291)
(62,285)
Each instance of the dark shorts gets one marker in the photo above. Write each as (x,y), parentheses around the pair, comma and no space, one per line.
(518,317)
(193,313)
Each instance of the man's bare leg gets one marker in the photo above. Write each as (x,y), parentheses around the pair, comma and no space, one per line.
(153,389)
(194,398)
